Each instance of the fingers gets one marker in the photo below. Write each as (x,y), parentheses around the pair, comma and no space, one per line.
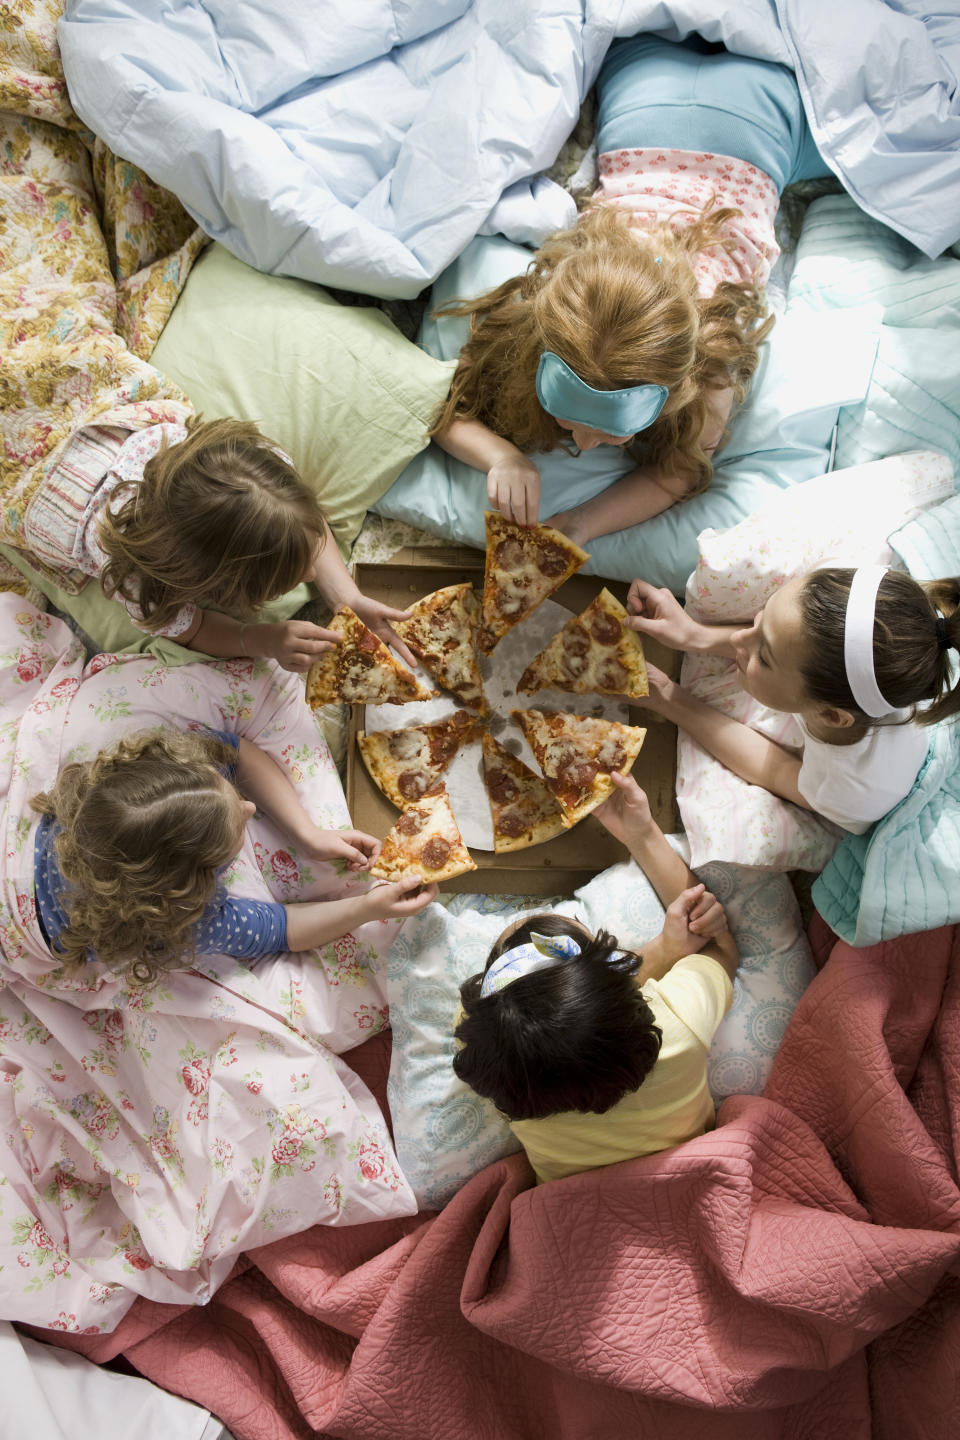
(638,596)
(389,613)
(629,789)
(707,917)
(387,633)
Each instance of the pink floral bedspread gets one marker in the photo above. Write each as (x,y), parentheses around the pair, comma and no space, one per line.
(151,1136)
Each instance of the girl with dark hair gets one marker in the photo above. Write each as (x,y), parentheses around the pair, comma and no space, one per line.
(862,660)
(594,1053)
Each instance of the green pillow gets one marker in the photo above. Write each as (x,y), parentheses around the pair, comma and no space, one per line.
(336,386)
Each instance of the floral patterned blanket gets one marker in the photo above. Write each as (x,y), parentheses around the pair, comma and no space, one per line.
(151,1136)
(93,256)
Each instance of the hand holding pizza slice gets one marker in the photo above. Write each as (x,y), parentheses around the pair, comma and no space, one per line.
(361,670)
(425,841)
(596,653)
(577,754)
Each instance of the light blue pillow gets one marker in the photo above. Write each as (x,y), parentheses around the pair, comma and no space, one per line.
(443,1132)
(929,545)
(814,363)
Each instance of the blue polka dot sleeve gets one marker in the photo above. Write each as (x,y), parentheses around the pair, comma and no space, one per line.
(245,929)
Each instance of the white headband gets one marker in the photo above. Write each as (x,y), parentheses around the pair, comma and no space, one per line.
(858,642)
(541,952)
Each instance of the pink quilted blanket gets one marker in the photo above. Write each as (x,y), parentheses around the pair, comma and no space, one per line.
(794,1273)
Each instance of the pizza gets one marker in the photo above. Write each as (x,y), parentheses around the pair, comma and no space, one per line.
(425,841)
(441,633)
(523,567)
(361,669)
(523,809)
(406,763)
(577,754)
(595,653)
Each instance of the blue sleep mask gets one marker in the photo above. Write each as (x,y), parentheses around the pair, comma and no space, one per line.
(564,395)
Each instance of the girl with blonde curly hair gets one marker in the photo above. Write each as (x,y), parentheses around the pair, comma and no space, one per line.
(130,853)
(193,528)
(639,326)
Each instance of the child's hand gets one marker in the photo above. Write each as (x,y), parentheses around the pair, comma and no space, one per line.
(513,487)
(571,524)
(294,644)
(626,814)
(358,849)
(658,613)
(402,898)
(376,616)
(693,919)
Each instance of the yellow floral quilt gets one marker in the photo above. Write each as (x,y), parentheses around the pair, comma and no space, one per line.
(93,256)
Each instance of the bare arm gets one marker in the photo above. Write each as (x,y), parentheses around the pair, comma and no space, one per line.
(294,644)
(317,922)
(513,481)
(695,921)
(261,780)
(752,756)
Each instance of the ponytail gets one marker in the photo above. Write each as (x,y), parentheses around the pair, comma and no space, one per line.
(915,628)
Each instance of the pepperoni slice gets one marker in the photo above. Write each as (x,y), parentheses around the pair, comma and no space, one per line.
(612,675)
(552,559)
(443,747)
(606,629)
(512,824)
(368,642)
(411,822)
(611,755)
(501,786)
(509,554)
(578,774)
(436,852)
(412,783)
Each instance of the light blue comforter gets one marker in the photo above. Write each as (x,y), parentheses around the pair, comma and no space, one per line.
(363,143)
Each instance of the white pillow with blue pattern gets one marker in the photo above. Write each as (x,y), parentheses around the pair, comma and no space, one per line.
(443,1132)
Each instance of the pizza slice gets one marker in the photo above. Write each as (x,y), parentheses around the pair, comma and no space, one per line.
(361,669)
(441,632)
(596,653)
(577,754)
(523,809)
(425,841)
(523,567)
(407,763)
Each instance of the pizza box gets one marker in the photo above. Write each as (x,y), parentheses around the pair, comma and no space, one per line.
(558,866)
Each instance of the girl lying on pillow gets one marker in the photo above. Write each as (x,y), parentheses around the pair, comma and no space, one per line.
(639,327)
(597,1054)
(852,654)
(129,855)
(193,529)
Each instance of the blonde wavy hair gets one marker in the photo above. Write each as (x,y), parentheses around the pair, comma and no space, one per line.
(146,826)
(620,308)
(220,520)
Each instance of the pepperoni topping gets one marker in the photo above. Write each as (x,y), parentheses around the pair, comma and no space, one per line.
(368,642)
(501,786)
(578,774)
(411,822)
(613,676)
(412,783)
(436,852)
(606,629)
(576,643)
(509,554)
(552,559)
(512,825)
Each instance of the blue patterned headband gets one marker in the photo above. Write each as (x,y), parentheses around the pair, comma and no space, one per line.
(564,395)
(541,952)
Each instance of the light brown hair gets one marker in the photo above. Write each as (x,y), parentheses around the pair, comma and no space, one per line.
(909,661)
(146,826)
(220,520)
(620,308)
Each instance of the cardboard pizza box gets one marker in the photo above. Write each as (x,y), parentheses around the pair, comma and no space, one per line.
(561,865)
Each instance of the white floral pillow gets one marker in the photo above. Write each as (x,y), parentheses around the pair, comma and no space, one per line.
(443,1132)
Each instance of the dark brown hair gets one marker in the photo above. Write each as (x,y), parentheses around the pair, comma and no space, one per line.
(910,664)
(220,520)
(577,1036)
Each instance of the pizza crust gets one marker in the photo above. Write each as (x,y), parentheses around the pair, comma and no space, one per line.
(425,841)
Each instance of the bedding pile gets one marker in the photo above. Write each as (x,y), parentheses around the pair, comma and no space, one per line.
(793,1272)
(473,99)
